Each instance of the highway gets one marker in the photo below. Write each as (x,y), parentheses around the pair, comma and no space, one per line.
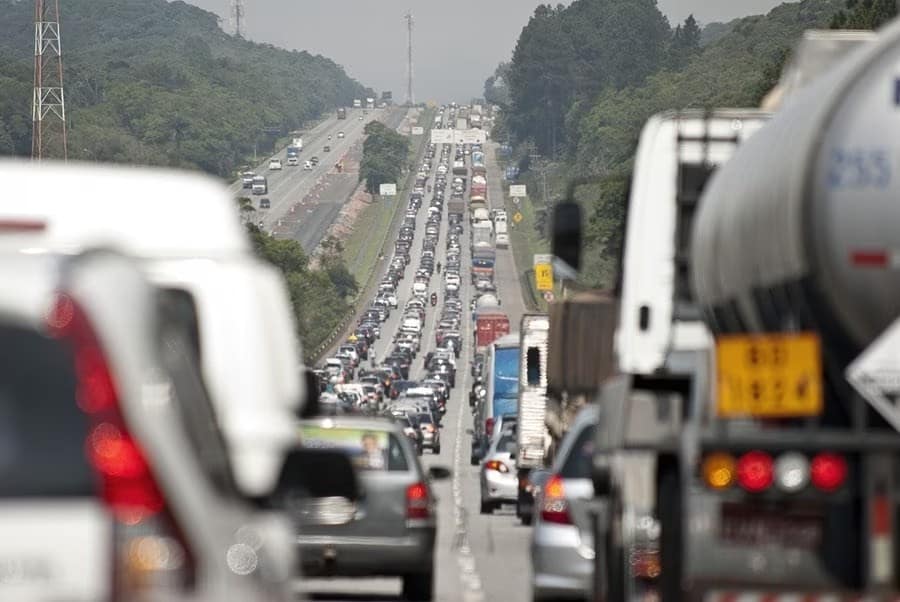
(477,557)
(321,190)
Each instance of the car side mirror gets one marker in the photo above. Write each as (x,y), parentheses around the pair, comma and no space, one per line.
(311,407)
(439,473)
(567,232)
(470,431)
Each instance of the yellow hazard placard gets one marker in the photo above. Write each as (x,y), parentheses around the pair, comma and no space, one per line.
(517,217)
(543,276)
(769,376)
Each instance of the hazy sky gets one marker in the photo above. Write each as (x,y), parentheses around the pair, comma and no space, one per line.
(456,45)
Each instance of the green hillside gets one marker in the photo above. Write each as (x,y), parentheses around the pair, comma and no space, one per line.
(149,81)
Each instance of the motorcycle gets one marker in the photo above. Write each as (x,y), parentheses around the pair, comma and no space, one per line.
(433,299)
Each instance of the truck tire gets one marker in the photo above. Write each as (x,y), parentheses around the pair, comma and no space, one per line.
(487,507)
(418,587)
(669,507)
(615,553)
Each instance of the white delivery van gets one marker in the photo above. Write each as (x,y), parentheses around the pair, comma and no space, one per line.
(250,366)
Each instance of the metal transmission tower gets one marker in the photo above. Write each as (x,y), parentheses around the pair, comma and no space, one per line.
(409,71)
(236,13)
(48,107)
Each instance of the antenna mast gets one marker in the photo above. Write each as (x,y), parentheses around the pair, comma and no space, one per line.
(409,71)
(236,13)
(48,105)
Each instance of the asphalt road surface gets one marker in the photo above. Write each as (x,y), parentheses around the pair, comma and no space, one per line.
(291,185)
(477,557)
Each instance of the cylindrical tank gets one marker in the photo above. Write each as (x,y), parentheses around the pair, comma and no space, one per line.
(801,228)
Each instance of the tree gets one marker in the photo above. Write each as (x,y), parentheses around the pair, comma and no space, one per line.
(864,14)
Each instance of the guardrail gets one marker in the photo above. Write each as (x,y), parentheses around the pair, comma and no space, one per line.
(365,291)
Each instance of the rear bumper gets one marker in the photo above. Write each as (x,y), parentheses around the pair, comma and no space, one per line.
(499,487)
(561,564)
(366,556)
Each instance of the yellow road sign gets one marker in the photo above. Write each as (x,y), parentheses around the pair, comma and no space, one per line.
(518,217)
(543,276)
(769,376)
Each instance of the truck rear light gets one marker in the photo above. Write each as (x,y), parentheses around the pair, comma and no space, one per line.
(718,470)
(554,507)
(418,501)
(791,472)
(489,426)
(496,465)
(151,552)
(755,471)
(828,471)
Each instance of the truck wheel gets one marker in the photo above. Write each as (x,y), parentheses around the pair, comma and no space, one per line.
(487,507)
(615,554)
(437,450)
(669,506)
(418,587)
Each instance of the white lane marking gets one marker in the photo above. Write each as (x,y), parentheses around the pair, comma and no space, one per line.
(468,569)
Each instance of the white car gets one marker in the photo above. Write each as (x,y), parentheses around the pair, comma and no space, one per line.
(308,166)
(275,164)
(451,278)
(340,134)
(293,161)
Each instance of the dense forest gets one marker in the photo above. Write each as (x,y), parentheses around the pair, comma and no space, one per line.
(584,78)
(154,82)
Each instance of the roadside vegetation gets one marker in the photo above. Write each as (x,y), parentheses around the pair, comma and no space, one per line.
(584,78)
(159,83)
(385,155)
(321,296)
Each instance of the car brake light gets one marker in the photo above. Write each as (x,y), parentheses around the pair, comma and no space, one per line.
(489,426)
(828,471)
(496,465)
(150,548)
(418,501)
(554,507)
(755,471)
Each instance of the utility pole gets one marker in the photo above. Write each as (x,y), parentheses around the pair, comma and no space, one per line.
(236,15)
(48,104)
(409,59)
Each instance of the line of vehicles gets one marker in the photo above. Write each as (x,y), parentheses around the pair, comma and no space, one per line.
(733,432)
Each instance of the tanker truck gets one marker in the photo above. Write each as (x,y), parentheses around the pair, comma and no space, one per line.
(764,465)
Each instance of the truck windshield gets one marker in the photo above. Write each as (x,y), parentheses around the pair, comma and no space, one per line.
(482,262)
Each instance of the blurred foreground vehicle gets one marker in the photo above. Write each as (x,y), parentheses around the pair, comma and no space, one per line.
(115,481)
(769,455)
(562,546)
(184,231)
(386,528)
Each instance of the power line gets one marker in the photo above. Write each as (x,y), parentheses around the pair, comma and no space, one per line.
(48,104)
(409,71)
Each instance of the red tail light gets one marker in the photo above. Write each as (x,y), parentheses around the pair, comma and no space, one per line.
(418,501)
(489,426)
(828,471)
(554,507)
(496,465)
(755,471)
(151,550)
(127,481)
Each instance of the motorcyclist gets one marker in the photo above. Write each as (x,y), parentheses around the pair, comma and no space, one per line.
(439,267)
(433,299)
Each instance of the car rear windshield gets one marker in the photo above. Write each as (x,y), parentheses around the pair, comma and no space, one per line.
(426,418)
(578,462)
(370,450)
(42,430)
